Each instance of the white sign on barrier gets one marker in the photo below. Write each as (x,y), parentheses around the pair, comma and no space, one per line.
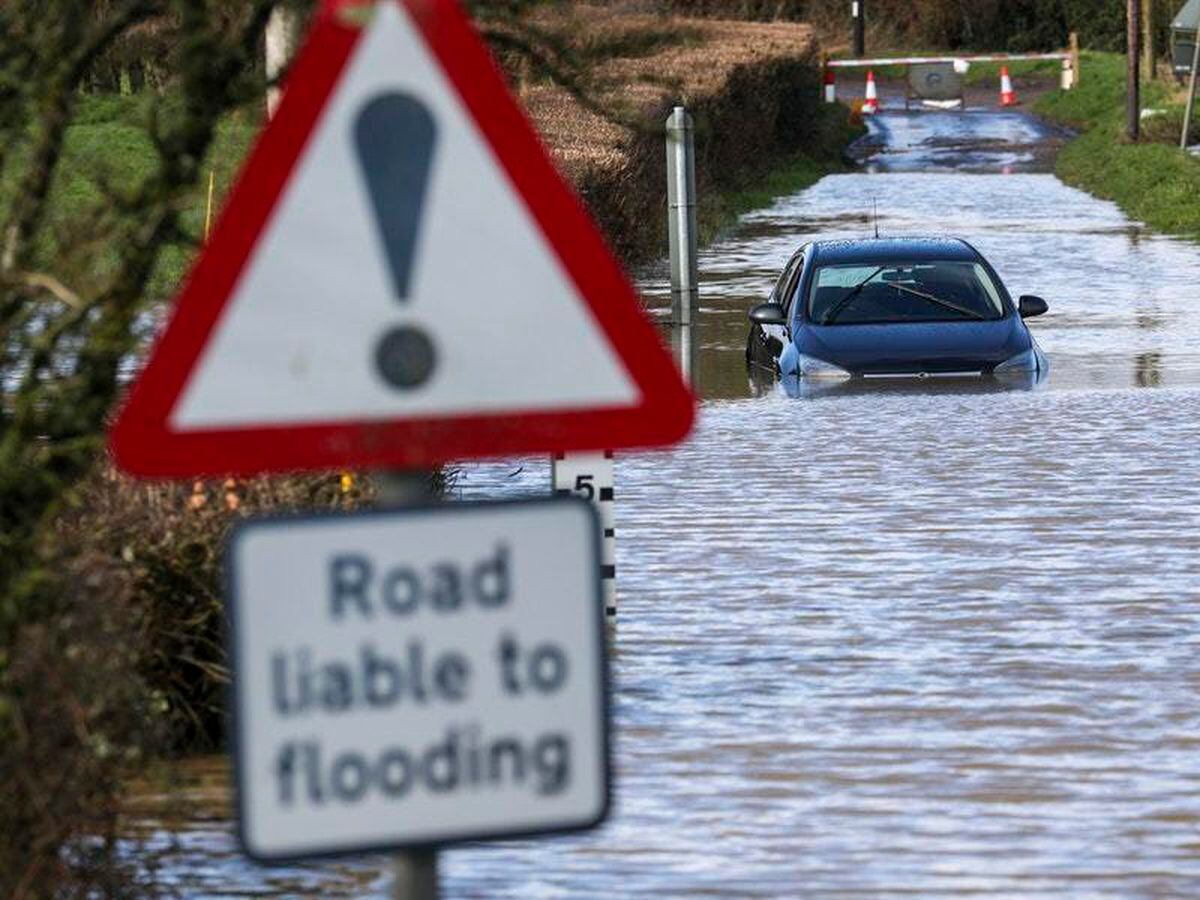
(417,677)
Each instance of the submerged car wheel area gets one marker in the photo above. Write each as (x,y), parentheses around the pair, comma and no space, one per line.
(893,308)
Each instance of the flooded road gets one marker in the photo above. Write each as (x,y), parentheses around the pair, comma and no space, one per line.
(911,642)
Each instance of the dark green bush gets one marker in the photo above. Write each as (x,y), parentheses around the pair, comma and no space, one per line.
(77,720)
(1011,25)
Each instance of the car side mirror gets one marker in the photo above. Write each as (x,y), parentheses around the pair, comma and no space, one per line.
(768,314)
(1029,306)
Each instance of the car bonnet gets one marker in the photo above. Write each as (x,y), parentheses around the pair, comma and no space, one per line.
(914,347)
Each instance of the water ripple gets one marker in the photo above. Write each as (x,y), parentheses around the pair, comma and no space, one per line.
(907,642)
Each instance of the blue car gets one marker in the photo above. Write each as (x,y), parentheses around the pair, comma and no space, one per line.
(893,307)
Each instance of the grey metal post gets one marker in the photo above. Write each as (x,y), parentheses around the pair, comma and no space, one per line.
(415,873)
(681,212)
(859,14)
(1191,97)
(684,349)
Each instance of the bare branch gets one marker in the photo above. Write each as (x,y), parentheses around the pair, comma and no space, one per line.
(44,281)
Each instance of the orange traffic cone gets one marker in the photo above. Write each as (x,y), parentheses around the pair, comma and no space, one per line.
(871,102)
(1008,97)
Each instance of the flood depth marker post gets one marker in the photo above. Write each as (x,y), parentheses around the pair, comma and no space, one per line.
(592,477)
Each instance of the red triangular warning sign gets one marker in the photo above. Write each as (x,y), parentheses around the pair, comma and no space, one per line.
(400,278)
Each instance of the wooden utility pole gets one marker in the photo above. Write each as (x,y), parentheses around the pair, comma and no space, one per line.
(1148,61)
(414,872)
(859,13)
(1191,94)
(1133,100)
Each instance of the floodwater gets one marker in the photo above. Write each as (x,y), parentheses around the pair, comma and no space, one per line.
(921,640)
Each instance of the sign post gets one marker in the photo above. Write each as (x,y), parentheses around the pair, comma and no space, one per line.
(415,872)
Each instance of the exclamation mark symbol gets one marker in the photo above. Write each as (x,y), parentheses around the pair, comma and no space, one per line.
(395,136)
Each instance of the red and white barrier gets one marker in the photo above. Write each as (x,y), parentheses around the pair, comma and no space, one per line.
(830,86)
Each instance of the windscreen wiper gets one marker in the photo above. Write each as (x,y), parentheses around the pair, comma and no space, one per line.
(836,309)
(974,314)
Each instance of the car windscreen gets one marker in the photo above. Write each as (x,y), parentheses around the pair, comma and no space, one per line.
(927,291)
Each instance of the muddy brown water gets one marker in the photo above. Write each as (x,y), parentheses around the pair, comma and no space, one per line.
(915,641)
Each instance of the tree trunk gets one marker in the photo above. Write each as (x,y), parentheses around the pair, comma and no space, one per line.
(1132,98)
(1148,62)
(280,45)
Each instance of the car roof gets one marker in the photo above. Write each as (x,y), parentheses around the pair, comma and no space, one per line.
(893,249)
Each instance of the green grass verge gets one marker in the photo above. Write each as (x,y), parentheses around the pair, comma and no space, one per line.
(1153,181)
(718,211)
(107,152)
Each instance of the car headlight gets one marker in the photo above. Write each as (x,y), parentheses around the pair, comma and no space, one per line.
(811,367)
(1027,362)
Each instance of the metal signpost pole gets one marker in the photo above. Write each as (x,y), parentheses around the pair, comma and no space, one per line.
(415,875)
(415,872)
(1191,96)
(681,228)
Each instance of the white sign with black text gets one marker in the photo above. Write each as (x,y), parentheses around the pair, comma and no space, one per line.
(417,677)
